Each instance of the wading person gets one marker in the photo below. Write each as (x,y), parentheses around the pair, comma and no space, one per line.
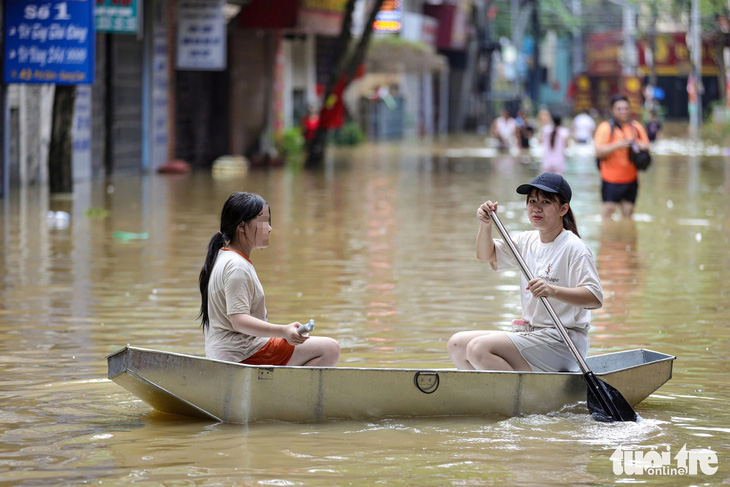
(613,140)
(583,127)
(565,272)
(506,130)
(554,142)
(233,309)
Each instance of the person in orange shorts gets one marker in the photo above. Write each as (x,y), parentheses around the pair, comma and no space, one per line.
(233,309)
(613,140)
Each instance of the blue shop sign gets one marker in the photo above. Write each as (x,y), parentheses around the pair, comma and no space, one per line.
(49,41)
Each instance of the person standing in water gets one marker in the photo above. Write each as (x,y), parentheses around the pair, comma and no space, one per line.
(613,140)
(233,307)
(554,142)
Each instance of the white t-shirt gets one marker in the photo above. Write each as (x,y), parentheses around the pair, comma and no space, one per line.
(234,287)
(507,128)
(566,261)
(583,127)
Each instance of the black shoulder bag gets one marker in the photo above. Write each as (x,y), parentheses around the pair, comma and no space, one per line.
(640,157)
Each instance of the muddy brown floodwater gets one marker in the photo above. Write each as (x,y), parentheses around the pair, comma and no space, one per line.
(377,247)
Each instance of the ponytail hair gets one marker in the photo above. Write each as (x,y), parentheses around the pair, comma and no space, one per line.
(569,221)
(238,208)
(557,121)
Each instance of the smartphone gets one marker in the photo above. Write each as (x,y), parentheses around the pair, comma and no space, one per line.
(306,328)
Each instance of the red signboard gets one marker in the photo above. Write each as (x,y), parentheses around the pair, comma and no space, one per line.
(672,56)
(582,97)
(265,14)
(452,25)
(603,53)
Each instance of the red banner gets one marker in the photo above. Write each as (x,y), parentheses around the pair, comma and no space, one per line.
(603,52)
(672,56)
(583,97)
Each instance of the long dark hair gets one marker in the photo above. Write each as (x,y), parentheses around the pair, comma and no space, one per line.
(557,120)
(239,207)
(569,222)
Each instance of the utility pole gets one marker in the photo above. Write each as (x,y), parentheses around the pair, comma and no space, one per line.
(577,52)
(726,59)
(695,112)
(5,119)
(630,57)
(536,72)
(484,16)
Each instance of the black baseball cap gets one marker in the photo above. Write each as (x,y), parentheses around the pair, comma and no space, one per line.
(550,183)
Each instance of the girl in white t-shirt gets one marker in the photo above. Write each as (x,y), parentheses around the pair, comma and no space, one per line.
(233,309)
(565,272)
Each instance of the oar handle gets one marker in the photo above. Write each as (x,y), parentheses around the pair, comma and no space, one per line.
(526,271)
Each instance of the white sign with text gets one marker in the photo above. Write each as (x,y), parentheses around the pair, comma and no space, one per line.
(201,35)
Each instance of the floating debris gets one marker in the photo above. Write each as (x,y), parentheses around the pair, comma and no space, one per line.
(127,236)
(58,220)
(226,166)
(96,212)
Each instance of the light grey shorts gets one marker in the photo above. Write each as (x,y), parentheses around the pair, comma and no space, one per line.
(545,351)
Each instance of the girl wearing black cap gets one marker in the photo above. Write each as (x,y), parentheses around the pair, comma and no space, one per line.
(565,273)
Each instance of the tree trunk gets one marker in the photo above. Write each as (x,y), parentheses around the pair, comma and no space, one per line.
(317,146)
(344,66)
(721,71)
(60,172)
(652,42)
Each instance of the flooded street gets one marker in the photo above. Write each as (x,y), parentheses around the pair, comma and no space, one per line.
(378,248)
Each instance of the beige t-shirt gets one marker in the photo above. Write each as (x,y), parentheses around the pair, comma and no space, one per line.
(233,288)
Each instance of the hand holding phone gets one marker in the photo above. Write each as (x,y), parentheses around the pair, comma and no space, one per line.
(306,328)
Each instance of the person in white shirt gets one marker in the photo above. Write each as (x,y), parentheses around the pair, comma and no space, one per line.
(505,128)
(583,127)
(565,273)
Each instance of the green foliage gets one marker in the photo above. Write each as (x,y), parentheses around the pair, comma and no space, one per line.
(292,146)
(556,15)
(349,134)
(398,43)
(716,123)
(393,53)
(710,7)
(96,212)
(602,14)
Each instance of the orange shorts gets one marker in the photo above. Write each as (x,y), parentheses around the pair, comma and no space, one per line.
(277,351)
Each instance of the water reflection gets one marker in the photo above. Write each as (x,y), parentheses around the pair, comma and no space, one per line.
(622,273)
(378,248)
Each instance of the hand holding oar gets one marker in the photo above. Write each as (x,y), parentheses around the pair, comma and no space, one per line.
(605,403)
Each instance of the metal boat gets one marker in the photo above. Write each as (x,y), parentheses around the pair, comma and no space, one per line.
(237,393)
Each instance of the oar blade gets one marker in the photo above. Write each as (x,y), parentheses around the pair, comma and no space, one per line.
(605,403)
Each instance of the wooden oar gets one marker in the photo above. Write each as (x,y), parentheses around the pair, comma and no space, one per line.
(605,403)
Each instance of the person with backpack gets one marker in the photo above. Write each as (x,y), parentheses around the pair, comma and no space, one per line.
(613,140)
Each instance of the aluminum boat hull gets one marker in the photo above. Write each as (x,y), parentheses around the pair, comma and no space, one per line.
(237,393)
